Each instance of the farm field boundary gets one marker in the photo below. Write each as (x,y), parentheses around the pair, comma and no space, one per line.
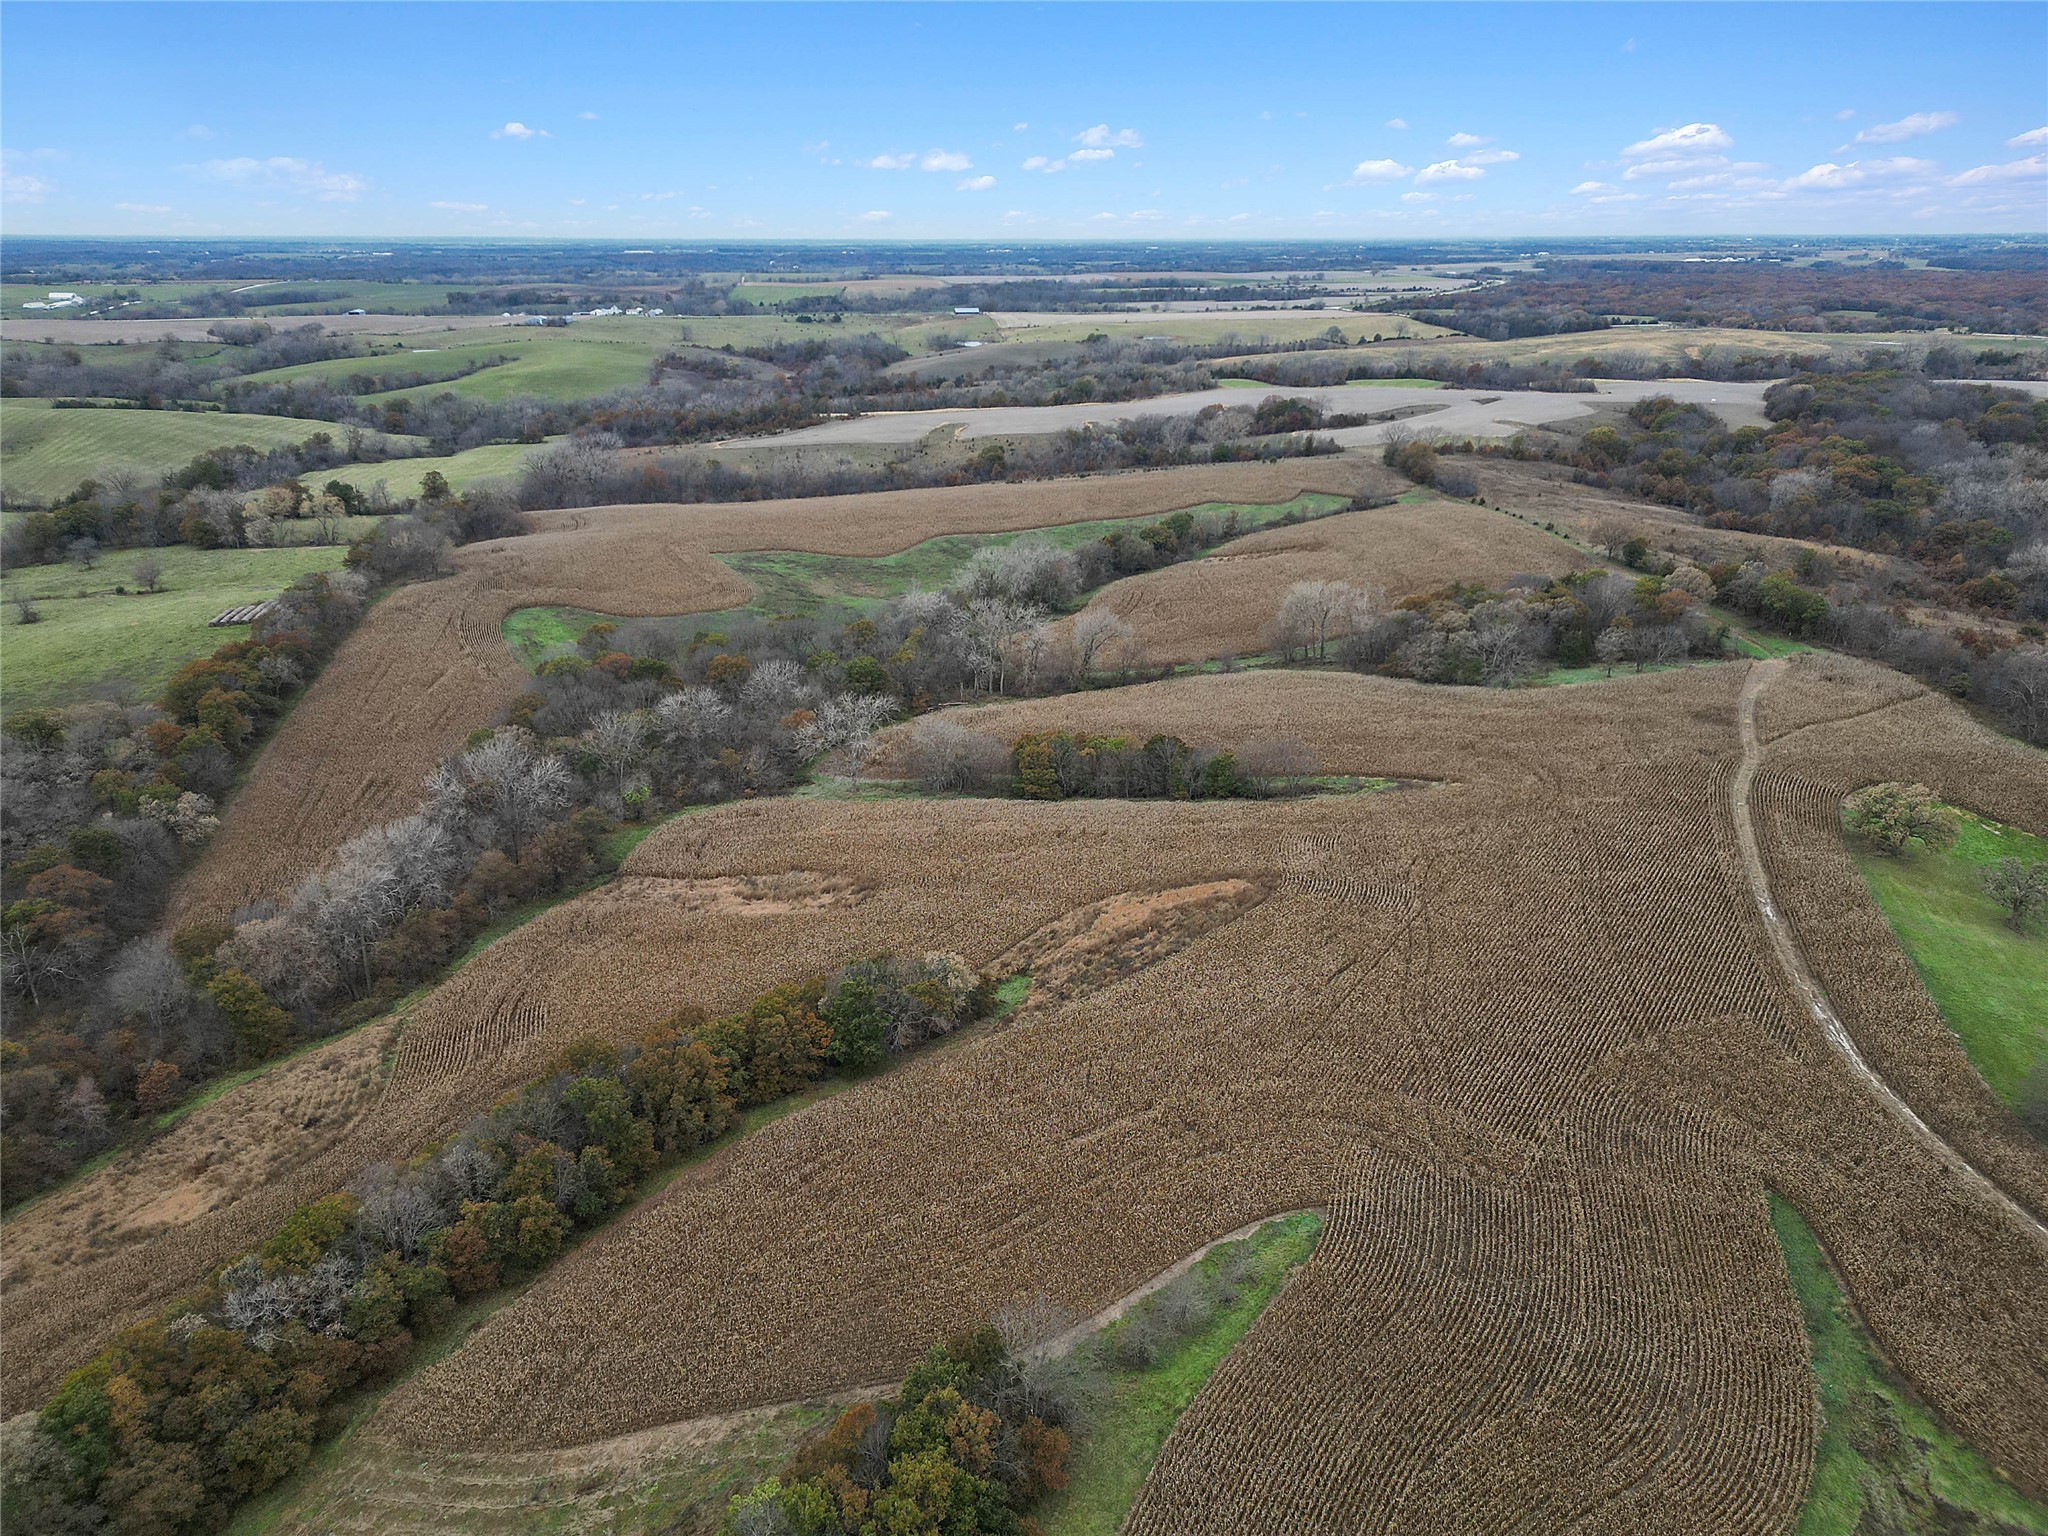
(1879,1447)
(1800,975)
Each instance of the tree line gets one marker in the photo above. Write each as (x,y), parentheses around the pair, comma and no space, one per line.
(114,1025)
(107,804)
(226,1392)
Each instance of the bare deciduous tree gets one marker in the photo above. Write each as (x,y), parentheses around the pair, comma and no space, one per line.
(1097,633)
(845,727)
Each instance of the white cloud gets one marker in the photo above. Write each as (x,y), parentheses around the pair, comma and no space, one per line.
(1040,163)
(1101,217)
(461,207)
(588,117)
(1692,139)
(1490,157)
(945,160)
(977,183)
(1913,126)
(1418,197)
(889,162)
(1466,140)
(1101,137)
(197,131)
(1399,124)
(877,216)
(2014,170)
(520,131)
(1447,170)
(1237,218)
(142,207)
(1019,127)
(2033,138)
(19,186)
(1830,177)
(287,173)
(1371,172)
(1845,114)
(1085,155)
(1674,166)
(1604,192)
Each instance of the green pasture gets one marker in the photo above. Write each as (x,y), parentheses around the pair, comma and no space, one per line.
(90,637)
(1989,981)
(45,452)
(402,477)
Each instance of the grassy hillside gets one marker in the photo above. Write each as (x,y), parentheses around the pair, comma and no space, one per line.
(402,476)
(45,453)
(593,357)
(1883,1462)
(1990,982)
(90,636)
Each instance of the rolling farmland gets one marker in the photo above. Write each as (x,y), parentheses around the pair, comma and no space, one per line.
(48,452)
(354,753)
(1223,604)
(997,993)
(1366,1038)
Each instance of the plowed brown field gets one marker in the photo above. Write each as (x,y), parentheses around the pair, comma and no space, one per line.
(1519,1030)
(429,664)
(1221,604)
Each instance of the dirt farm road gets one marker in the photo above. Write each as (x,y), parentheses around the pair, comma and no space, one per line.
(1790,959)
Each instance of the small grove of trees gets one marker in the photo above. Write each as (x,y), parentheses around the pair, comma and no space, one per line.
(1471,634)
(1313,613)
(1059,765)
(226,1392)
(979,1433)
(1892,818)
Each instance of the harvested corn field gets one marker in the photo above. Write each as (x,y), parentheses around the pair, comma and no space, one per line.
(1224,603)
(1435,1021)
(429,664)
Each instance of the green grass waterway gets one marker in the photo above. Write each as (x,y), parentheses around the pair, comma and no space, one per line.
(1112,1460)
(1883,1460)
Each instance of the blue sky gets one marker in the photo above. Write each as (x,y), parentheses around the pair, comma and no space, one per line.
(1048,121)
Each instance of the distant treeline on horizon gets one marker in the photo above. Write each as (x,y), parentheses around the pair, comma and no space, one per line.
(111,259)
